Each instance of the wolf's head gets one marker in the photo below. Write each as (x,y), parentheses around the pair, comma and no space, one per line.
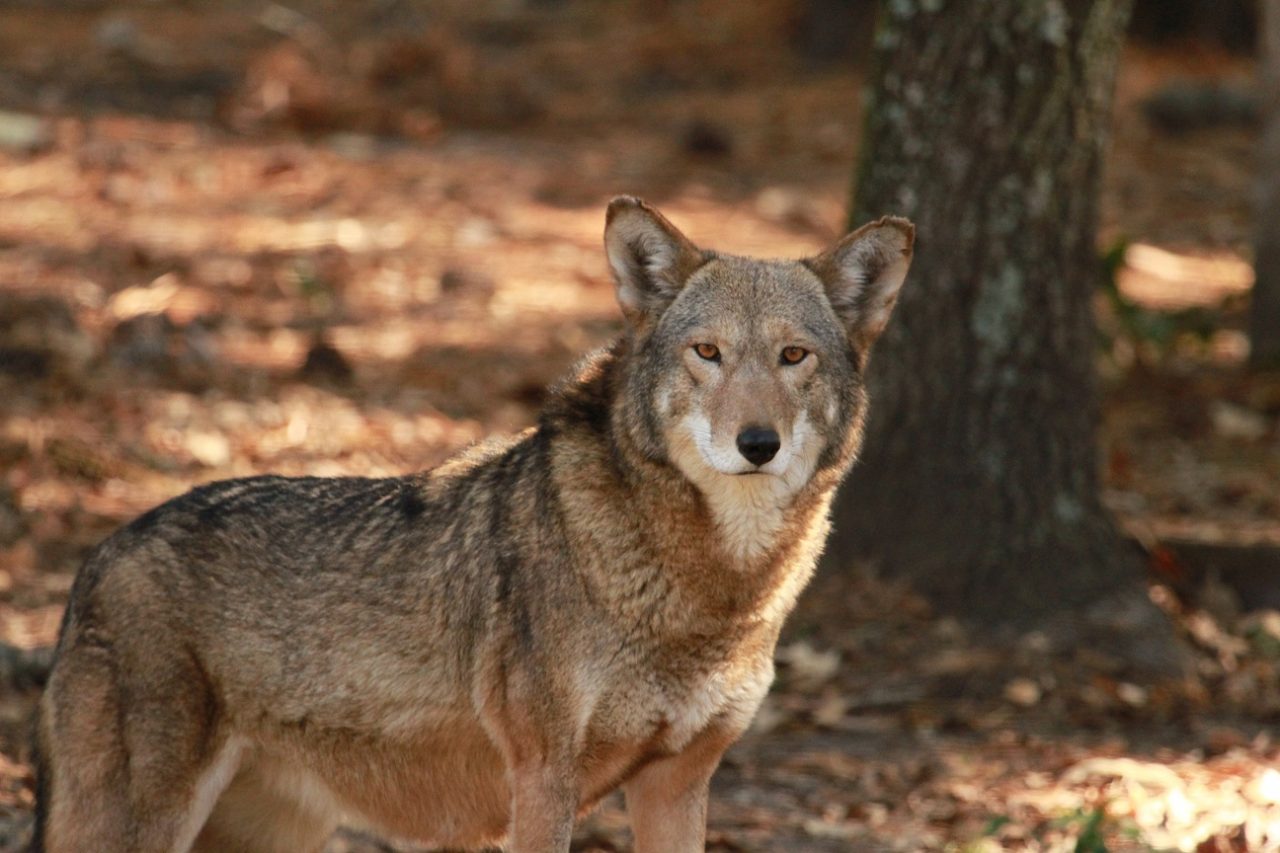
(746,374)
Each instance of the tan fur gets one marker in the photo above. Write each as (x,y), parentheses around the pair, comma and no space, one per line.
(474,655)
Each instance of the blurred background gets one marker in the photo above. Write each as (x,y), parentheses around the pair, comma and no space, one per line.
(351,238)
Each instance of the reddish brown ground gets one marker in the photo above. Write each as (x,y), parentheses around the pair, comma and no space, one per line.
(423,185)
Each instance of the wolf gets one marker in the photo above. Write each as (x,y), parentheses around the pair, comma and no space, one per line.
(476,654)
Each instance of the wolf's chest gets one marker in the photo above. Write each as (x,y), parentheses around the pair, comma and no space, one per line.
(650,721)
(666,711)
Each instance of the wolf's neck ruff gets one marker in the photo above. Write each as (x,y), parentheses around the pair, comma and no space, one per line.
(748,513)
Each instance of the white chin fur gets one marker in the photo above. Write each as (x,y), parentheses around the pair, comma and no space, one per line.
(747,501)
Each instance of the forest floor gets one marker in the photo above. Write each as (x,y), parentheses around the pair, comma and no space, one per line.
(354,238)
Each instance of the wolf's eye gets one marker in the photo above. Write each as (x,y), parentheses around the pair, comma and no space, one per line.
(794,355)
(707,352)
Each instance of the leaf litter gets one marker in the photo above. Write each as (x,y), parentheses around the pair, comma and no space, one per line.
(284,250)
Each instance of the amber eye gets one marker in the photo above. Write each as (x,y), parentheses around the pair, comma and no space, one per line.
(794,355)
(708,352)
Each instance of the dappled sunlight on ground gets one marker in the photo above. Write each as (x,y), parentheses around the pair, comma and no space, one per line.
(359,259)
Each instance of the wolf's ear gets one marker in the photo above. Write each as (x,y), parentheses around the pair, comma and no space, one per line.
(863,273)
(651,259)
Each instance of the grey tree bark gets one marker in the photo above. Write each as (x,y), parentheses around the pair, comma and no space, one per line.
(979,479)
(1264,320)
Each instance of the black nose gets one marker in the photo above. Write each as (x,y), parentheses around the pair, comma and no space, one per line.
(758,445)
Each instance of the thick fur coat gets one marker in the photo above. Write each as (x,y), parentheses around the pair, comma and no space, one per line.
(475,654)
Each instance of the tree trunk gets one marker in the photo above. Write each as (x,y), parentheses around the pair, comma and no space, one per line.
(1264,322)
(979,477)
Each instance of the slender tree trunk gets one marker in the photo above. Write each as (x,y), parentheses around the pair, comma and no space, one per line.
(979,478)
(1264,322)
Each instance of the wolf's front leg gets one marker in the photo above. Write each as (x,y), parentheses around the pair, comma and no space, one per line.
(667,801)
(544,803)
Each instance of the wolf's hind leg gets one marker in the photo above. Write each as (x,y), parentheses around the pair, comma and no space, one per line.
(129,753)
